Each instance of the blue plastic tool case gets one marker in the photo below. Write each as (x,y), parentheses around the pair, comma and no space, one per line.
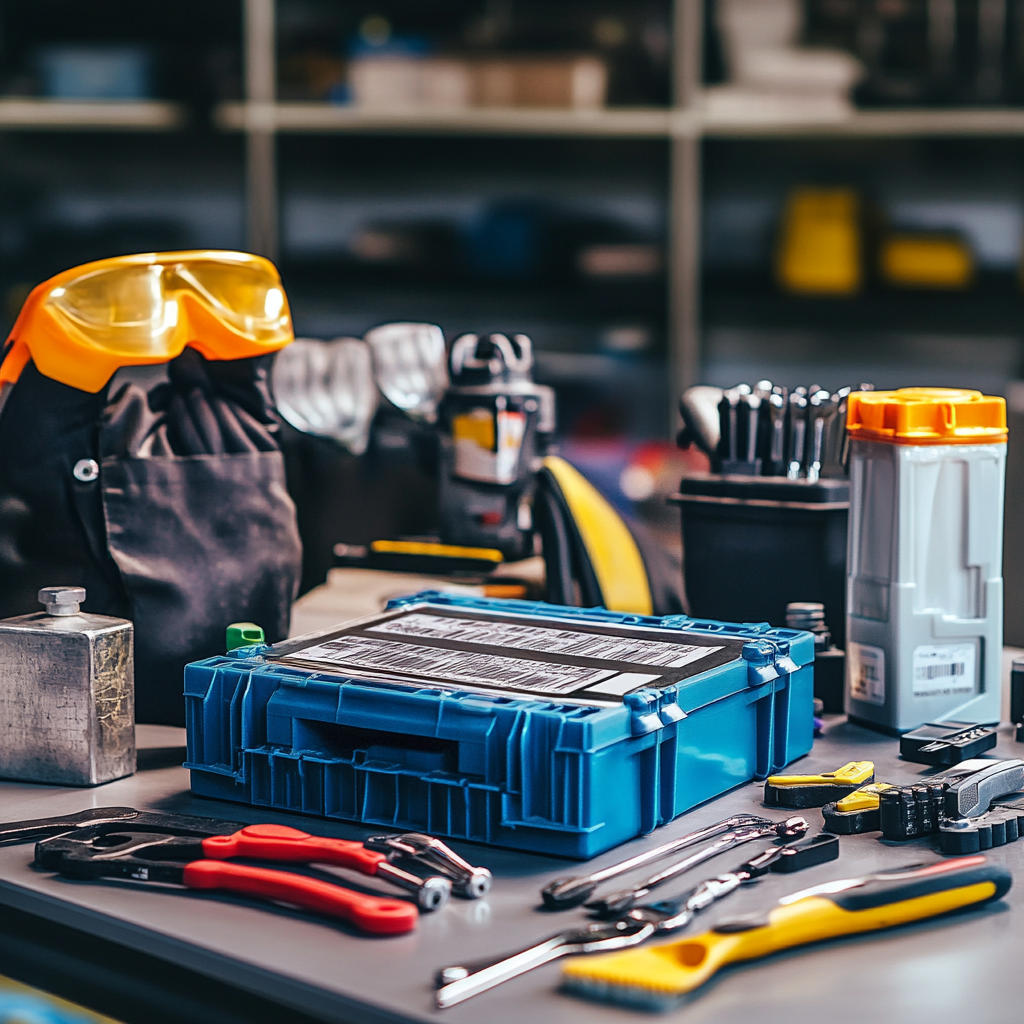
(559,730)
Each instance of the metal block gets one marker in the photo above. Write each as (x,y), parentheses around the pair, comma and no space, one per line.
(67,694)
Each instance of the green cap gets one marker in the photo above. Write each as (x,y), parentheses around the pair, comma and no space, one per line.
(243,634)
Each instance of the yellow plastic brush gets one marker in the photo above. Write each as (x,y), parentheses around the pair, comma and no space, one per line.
(657,978)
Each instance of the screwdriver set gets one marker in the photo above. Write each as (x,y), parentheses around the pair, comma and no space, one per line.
(767,430)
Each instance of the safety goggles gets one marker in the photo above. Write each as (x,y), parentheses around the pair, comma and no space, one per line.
(84,324)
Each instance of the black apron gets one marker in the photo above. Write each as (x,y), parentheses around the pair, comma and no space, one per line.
(187,526)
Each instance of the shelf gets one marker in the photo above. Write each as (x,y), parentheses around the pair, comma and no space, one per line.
(85,115)
(326,117)
(633,122)
(966,121)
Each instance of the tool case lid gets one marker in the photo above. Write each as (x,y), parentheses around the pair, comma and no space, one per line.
(520,650)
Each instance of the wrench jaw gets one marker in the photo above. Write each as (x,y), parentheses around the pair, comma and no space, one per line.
(565,893)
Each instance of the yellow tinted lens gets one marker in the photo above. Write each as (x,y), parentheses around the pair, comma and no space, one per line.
(122,308)
(244,295)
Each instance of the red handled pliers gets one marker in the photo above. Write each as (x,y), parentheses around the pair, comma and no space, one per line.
(191,857)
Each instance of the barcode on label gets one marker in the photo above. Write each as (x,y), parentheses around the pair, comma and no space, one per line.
(542,638)
(490,670)
(944,670)
(936,671)
(867,673)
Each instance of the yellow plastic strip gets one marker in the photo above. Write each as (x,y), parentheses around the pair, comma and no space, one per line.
(849,775)
(417,547)
(616,559)
(864,799)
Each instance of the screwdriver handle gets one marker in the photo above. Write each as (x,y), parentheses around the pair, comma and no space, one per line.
(869,904)
(375,914)
(290,845)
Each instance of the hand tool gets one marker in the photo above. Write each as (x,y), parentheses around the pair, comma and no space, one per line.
(797,439)
(971,795)
(563,893)
(619,902)
(800,791)
(457,983)
(199,864)
(946,743)
(656,978)
(775,456)
(40,828)
(701,426)
(90,853)
(857,812)
(821,413)
(967,790)
(466,880)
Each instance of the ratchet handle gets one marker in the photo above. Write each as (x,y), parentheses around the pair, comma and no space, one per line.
(375,914)
(879,901)
(290,845)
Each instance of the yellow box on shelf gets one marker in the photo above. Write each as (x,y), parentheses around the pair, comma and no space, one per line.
(819,250)
(925,261)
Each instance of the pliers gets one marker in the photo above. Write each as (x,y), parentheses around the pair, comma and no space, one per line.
(195,853)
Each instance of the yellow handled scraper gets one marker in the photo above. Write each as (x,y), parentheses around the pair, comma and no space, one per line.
(657,978)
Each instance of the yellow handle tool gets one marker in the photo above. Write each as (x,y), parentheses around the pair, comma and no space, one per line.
(802,791)
(656,978)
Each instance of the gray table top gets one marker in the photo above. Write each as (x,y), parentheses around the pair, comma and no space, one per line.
(954,969)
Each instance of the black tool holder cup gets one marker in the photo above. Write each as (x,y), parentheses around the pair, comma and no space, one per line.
(752,545)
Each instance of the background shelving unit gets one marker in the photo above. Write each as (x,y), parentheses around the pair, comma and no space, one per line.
(687,129)
(251,145)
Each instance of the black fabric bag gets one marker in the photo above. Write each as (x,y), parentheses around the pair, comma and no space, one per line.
(168,506)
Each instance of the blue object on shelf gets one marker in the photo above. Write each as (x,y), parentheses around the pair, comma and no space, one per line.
(95,72)
(319,725)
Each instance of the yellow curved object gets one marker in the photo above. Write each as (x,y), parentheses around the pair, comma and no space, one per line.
(867,798)
(84,324)
(680,967)
(850,774)
(616,559)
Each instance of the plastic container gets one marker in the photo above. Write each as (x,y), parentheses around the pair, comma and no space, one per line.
(480,745)
(752,545)
(924,588)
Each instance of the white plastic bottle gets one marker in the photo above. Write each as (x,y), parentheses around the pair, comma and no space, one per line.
(924,599)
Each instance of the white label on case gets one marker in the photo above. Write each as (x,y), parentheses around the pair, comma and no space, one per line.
(943,670)
(867,673)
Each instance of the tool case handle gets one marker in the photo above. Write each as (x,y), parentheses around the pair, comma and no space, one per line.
(375,914)
(281,843)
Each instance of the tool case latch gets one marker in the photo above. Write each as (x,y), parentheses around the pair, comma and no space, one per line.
(644,716)
(761,657)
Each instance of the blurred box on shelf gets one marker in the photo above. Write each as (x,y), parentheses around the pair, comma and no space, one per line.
(941,261)
(95,72)
(770,75)
(386,81)
(819,249)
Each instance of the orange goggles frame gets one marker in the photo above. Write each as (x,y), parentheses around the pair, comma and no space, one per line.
(226,305)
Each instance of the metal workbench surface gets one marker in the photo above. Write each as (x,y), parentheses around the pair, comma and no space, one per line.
(962,968)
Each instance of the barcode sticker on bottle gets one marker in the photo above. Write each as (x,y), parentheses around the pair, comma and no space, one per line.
(867,673)
(943,670)
(522,637)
